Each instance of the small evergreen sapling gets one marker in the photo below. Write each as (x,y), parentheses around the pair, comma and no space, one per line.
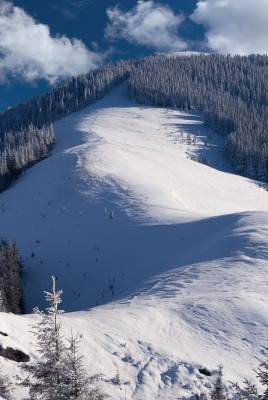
(117,379)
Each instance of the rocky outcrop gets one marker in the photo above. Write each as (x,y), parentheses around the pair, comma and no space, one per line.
(14,354)
(204,371)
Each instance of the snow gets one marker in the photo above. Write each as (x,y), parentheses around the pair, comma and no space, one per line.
(179,274)
(140,153)
(181,53)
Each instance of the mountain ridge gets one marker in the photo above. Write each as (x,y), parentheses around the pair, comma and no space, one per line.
(182,277)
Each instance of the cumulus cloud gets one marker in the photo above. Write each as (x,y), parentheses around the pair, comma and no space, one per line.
(234,26)
(29,52)
(149,24)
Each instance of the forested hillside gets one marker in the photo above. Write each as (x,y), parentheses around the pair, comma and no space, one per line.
(21,149)
(231,92)
(25,132)
(74,95)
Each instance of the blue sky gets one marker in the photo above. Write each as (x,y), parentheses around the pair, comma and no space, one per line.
(43,42)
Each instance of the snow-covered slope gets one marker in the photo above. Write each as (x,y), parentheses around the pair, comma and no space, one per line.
(180,268)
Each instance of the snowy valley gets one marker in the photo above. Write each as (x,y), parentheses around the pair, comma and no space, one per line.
(162,259)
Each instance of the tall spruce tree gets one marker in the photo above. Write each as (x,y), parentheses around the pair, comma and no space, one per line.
(59,374)
(48,380)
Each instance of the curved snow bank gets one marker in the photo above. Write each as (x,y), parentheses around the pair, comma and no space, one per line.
(199,314)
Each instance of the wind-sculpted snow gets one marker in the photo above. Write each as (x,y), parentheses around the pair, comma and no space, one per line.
(172,251)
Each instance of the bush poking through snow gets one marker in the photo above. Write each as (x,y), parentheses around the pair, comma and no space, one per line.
(117,379)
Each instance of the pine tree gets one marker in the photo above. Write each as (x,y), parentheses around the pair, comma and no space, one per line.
(218,392)
(78,384)
(262,374)
(48,381)
(17,289)
(11,278)
(117,379)
(248,392)
(6,387)
(59,374)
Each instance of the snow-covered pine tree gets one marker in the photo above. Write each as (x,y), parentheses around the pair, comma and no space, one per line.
(6,387)
(47,380)
(248,392)
(218,391)
(59,374)
(78,384)
(262,374)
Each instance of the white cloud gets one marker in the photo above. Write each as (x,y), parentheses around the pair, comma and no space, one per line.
(29,52)
(149,24)
(234,26)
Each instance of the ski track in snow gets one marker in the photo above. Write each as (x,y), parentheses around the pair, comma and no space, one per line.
(179,273)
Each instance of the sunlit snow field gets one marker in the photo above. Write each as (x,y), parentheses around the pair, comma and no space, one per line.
(178,275)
